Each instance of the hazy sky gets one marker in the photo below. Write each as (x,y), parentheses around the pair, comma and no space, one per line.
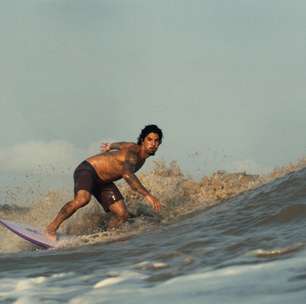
(224,79)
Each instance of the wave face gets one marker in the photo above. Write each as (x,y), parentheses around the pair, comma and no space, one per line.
(228,237)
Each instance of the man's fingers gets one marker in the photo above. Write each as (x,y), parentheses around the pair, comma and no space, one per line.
(104,147)
(154,206)
(157,206)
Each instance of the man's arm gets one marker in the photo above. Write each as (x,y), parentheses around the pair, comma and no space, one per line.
(105,147)
(133,181)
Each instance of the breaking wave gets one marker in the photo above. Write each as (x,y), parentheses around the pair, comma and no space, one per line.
(180,195)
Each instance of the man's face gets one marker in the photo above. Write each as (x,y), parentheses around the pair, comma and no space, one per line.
(151,143)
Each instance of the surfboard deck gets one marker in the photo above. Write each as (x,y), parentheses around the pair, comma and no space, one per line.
(29,233)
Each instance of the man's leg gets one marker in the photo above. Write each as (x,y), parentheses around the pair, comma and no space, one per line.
(81,199)
(120,214)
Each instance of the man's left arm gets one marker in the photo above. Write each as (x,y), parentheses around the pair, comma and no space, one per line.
(105,147)
(133,181)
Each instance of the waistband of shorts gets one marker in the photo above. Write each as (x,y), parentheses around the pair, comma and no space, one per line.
(86,165)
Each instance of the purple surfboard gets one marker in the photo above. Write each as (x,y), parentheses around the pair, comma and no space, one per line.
(29,233)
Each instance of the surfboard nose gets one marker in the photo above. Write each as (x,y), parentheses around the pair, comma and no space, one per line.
(31,234)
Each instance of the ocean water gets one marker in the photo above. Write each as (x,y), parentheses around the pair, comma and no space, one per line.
(227,238)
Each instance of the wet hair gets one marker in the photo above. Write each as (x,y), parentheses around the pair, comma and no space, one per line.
(150,129)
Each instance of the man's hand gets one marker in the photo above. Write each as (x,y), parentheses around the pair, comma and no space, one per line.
(105,147)
(153,201)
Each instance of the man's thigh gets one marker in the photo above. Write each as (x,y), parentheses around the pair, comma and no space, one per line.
(108,195)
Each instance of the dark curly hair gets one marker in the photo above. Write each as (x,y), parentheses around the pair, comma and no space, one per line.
(150,129)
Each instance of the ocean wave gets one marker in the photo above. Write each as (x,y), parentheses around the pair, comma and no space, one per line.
(180,195)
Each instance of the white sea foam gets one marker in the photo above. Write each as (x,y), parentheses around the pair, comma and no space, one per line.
(30,290)
(108,282)
(210,285)
(27,300)
(29,283)
(118,283)
(151,265)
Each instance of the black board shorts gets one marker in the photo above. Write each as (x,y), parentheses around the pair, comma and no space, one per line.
(86,178)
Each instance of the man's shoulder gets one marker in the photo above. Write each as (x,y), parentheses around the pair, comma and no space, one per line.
(130,152)
(131,147)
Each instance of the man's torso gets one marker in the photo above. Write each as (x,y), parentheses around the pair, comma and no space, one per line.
(110,165)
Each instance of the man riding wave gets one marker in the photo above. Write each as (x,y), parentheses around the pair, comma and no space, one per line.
(96,175)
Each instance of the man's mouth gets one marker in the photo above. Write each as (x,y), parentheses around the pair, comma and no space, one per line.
(152,152)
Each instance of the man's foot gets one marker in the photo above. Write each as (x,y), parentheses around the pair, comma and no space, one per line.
(50,234)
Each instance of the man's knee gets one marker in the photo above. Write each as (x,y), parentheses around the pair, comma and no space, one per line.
(119,210)
(81,199)
(124,215)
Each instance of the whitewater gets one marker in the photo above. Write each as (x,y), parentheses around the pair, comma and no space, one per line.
(223,238)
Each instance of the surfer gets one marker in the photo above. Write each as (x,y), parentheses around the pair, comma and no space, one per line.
(96,175)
